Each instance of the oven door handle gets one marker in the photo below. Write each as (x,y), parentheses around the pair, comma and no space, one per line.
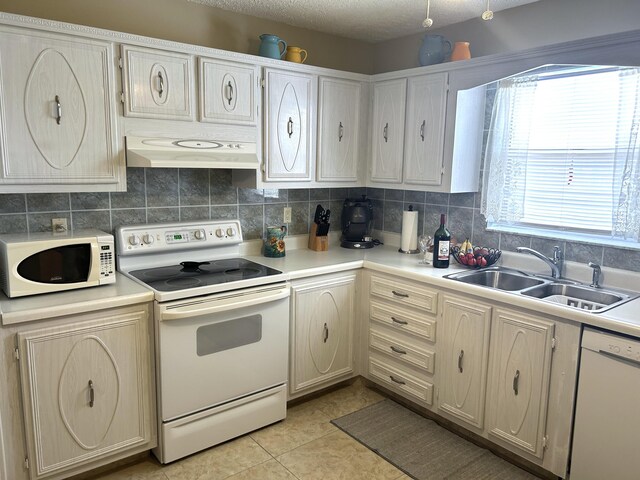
(223,304)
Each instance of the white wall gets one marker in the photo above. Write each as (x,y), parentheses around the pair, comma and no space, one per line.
(536,24)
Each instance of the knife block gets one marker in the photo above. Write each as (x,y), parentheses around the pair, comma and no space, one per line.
(319,244)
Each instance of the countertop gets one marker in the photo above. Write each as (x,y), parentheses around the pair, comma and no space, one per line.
(51,305)
(303,263)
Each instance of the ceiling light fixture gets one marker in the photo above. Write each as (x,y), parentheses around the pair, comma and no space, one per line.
(428,22)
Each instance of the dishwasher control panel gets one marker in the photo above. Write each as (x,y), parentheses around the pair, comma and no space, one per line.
(611,344)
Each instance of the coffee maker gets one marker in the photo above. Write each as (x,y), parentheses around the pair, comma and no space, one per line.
(357,221)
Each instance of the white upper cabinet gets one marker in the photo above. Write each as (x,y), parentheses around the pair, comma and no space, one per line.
(338,130)
(228,91)
(158,84)
(58,130)
(424,129)
(289,114)
(387,132)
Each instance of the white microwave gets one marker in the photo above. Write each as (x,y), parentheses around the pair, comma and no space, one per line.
(47,262)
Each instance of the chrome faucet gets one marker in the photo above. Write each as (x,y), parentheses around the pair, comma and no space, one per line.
(595,280)
(555,263)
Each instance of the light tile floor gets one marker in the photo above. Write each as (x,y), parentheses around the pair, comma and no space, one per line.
(305,446)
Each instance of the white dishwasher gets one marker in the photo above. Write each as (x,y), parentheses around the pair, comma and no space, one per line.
(606,435)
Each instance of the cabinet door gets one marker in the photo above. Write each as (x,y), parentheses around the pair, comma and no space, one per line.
(157,84)
(322,331)
(338,127)
(464,339)
(388,130)
(86,390)
(521,348)
(424,129)
(289,108)
(58,112)
(228,91)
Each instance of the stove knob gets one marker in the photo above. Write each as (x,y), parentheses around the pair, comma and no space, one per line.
(231,232)
(199,234)
(134,240)
(148,239)
(219,233)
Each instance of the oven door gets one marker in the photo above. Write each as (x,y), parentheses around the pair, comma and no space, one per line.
(221,347)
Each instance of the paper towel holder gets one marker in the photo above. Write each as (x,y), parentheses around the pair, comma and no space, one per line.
(409,251)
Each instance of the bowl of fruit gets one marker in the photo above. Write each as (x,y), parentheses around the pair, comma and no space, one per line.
(474,257)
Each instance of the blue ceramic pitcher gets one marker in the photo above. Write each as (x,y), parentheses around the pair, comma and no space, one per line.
(270,46)
(434,49)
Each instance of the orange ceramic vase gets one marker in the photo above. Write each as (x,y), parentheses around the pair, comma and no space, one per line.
(460,51)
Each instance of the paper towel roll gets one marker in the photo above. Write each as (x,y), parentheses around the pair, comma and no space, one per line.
(409,238)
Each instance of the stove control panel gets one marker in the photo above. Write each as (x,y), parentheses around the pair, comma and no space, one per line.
(177,236)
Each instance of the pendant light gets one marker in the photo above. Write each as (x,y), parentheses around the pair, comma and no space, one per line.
(427,22)
(487,14)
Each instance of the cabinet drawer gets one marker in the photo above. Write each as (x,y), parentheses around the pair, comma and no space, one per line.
(402,350)
(404,320)
(403,293)
(406,384)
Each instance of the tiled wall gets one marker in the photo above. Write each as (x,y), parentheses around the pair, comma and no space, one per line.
(170,195)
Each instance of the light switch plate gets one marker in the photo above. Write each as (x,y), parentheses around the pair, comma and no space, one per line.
(287,215)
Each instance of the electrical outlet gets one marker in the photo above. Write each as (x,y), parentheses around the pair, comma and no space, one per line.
(287,214)
(59,225)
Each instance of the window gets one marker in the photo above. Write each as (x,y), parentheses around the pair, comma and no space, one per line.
(562,156)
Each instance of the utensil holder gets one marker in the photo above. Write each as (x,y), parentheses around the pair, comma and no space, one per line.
(319,244)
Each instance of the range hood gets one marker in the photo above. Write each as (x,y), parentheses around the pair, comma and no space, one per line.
(190,153)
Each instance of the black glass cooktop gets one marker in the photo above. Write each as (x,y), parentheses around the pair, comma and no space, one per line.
(200,274)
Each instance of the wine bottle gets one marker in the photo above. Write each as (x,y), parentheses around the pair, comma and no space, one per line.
(441,244)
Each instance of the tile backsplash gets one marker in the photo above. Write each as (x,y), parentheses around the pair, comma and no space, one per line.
(169,195)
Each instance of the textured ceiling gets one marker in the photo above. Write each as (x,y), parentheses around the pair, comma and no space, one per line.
(369,20)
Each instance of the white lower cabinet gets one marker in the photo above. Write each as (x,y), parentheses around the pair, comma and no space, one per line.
(322,323)
(402,335)
(464,348)
(86,391)
(520,367)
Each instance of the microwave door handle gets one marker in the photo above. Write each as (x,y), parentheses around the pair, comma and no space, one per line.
(94,268)
(223,305)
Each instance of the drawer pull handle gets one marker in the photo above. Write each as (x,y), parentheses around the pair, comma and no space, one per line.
(422,130)
(516,380)
(394,379)
(385,132)
(290,127)
(400,294)
(401,322)
(325,333)
(460,357)
(398,350)
(91,394)
(340,132)
(230,94)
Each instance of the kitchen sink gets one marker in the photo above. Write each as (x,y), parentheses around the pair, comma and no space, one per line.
(578,296)
(498,278)
(563,292)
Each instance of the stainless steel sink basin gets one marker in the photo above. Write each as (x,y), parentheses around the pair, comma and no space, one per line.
(578,296)
(563,292)
(499,278)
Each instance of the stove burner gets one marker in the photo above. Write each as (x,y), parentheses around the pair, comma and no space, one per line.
(183,282)
(192,266)
(242,271)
